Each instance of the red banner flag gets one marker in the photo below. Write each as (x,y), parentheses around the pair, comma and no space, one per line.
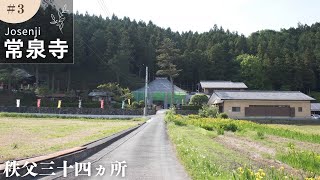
(102,104)
(38,103)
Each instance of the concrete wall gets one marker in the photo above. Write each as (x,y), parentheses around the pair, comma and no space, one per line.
(228,104)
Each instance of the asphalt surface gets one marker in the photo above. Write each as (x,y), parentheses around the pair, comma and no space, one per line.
(148,154)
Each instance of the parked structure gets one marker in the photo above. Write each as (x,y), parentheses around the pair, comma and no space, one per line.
(208,87)
(159,93)
(262,104)
(315,108)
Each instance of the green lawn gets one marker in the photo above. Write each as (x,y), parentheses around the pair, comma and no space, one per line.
(29,137)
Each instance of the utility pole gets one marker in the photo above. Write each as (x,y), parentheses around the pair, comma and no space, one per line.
(145,111)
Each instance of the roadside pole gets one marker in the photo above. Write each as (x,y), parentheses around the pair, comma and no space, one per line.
(145,111)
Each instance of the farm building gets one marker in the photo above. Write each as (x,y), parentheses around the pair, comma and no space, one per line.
(262,104)
(208,87)
(159,93)
(315,108)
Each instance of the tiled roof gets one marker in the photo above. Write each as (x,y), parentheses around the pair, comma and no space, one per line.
(315,106)
(161,85)
(263,95)
(223,84)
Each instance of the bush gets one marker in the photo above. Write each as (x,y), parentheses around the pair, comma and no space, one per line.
(220,131)
(42,91)
(191,107)
(170,115)
(141,103)
(230,127)
(260,135)
(223,116)
(135,105)
(199,99)
(88,105)
(207,127)
(193,116)
(208,111)
(117,105)
(180,122)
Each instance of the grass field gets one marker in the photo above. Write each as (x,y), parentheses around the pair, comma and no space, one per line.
(29,137)
(239,150)
(307,129)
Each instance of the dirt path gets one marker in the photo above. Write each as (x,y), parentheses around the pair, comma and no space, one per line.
(260,155)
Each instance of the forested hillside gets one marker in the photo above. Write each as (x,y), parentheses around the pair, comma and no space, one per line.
(286,60)
(117,50)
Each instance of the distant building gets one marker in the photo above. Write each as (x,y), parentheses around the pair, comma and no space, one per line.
(262,104)
(159,93)
(208,87)
(315,108)
(22,80)
(97,95)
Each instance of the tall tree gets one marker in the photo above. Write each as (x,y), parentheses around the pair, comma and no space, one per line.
(252,71)
(168,54)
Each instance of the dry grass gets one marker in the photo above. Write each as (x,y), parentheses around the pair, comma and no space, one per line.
(29,137)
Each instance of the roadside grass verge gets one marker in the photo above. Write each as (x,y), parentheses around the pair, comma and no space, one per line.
(241,125)
(197,149)
(204,158)
(199,154)
(28,137)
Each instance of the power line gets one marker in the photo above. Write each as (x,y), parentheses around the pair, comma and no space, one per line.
(106,7)
(103,7)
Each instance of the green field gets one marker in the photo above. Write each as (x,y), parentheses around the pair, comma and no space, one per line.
(307,129)
(239,150)
(29,137)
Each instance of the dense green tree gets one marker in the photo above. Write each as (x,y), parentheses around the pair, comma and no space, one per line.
(166,60)
(252,71)
(199,99)
(117,50)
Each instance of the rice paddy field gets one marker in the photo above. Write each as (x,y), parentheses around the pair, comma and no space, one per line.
(234,149)
(22,137)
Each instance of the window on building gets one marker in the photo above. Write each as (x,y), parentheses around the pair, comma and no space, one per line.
(236,109)
(299,109)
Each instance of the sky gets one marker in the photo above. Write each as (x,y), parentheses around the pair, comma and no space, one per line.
(243,16)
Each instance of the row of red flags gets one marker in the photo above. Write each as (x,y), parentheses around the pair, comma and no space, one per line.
(60,103)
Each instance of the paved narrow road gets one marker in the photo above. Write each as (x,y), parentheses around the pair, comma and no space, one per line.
(148,152)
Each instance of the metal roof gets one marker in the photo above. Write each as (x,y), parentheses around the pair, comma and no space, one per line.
(315,106)
(161,85)
(262,95)
(21,73)
(98,93)
(223,85)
